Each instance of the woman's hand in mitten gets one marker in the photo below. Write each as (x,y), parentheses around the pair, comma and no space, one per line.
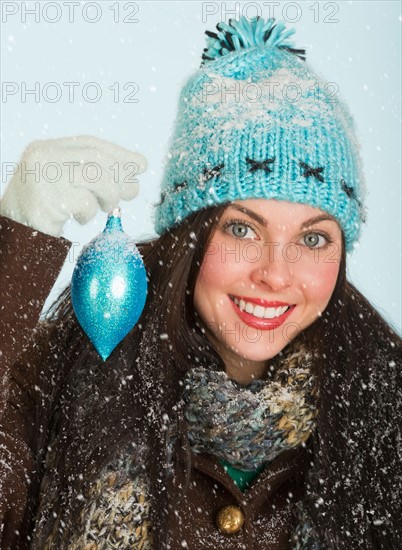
(70,177)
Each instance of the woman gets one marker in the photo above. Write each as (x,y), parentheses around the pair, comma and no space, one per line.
(256,402)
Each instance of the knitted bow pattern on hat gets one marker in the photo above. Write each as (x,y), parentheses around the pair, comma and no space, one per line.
(248,426)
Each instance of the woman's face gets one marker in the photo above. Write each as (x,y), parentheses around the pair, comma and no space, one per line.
(269,271)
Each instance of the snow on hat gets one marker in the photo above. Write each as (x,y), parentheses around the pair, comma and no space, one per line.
(256,122)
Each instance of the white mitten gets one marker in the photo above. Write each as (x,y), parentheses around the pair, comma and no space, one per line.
(70,177)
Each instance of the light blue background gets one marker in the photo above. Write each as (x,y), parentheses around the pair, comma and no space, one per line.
(360,52)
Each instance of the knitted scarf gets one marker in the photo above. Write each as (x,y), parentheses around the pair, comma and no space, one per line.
(248,426)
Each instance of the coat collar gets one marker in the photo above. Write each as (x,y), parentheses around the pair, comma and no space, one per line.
(291,464)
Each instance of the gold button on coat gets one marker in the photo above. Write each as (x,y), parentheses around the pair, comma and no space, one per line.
(229,520)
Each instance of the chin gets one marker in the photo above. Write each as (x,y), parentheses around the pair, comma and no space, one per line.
(264,353)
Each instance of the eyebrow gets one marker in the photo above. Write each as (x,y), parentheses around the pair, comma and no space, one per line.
(262,221)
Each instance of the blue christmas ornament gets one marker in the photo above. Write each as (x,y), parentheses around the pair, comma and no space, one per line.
(109,286)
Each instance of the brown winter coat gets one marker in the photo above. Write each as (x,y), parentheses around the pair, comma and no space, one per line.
(30,263)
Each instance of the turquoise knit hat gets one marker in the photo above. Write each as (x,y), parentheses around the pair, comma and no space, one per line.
(256,122)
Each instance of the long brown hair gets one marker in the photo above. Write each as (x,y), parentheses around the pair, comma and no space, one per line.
(92,410)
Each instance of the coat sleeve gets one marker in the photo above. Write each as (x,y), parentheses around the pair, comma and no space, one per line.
(30,262)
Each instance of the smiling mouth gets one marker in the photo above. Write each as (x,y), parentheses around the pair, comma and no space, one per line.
(260,311)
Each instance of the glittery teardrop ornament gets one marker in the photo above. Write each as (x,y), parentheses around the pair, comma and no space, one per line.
(109,286)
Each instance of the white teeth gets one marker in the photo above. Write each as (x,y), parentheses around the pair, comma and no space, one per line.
(270,313)
(249,307)
(260,311)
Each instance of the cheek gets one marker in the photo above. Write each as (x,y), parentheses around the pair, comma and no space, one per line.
(320,283)
(204,287)
(215,278)
(218,269)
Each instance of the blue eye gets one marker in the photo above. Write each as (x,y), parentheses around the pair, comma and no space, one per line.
(240,229)
(316,240)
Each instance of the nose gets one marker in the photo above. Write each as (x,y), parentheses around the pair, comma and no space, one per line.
(273,270)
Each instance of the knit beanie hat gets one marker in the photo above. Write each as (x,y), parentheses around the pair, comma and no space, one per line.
(256,122)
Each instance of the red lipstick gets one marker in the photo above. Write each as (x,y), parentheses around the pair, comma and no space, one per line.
(258,323)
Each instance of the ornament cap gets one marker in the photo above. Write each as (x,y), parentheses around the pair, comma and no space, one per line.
(114,220)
